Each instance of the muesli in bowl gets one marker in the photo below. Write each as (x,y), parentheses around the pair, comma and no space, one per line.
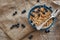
(39,14)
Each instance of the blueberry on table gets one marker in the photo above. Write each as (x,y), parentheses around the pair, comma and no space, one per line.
(23,25)
(33,11)
(37,0)
(15,13)
(16,25)
(12,26)
(47,31)
(30,37)
(23,11)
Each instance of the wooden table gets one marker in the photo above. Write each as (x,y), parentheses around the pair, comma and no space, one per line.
(21,5)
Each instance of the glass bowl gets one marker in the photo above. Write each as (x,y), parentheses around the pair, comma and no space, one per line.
(39,6)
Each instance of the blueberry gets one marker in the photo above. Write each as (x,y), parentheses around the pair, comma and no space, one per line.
(16,25)
(56,10)
(53,18)
(12,26)
(23,25)
(23,11)
(30,37)
(15,13)
(47,31)
(31,21)
(37,0)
